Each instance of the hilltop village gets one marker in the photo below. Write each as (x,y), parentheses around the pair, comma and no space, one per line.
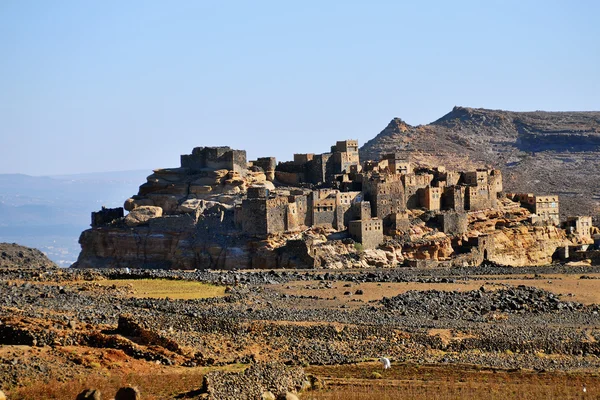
(330,210)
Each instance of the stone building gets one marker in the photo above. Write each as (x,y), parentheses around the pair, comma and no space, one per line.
(344,208)
(399,223)
(369,232)
(106,215)
(476,178)
(480,197)
(431,198)
(324,208)
(320,169)
(412,184)
(301,159)
(545,208)
(215,158)
(261,213)
(345,155)
(397,164)
(386,194)
(495,180)
(580,225)
(454,198)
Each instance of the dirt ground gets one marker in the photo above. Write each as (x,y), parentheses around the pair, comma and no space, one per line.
(585,291)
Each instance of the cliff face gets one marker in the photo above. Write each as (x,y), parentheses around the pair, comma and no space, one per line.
(526,245)
(541,152)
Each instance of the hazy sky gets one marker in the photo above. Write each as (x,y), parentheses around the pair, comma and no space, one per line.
(116,85)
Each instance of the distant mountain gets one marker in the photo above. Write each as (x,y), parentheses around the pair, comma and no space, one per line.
(50,212)
(541,152)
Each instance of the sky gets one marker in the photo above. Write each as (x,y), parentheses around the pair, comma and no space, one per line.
(91,86)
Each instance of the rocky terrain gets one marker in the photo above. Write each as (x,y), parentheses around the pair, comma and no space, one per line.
(13,255)
(58,325)
(541,152)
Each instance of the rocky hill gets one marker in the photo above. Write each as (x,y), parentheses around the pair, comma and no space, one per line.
(541,152)
(13,255)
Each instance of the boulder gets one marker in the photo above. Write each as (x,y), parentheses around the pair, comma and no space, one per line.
(256,178)
(131,204)
(267,396)
(128,393)
(141,215)
(191,205)
(87,394)
(200,189)
(227,199)
(235,182)
(167,202)
(231,190)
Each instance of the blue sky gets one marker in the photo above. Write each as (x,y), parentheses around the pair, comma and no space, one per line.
(111,85)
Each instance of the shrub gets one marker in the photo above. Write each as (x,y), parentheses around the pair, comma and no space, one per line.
(359,247)
(375,375)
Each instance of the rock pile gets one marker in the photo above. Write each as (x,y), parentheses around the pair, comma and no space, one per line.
(254,382)
(476,303)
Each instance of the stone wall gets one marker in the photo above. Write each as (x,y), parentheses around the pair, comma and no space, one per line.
(290,178)
(454,223)
(254,216)
(277,214)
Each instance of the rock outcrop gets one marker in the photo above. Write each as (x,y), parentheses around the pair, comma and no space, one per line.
(523,245)
(181,218)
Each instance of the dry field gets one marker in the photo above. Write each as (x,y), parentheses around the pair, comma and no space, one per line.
(108,369)
(166,288)
(405,381)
